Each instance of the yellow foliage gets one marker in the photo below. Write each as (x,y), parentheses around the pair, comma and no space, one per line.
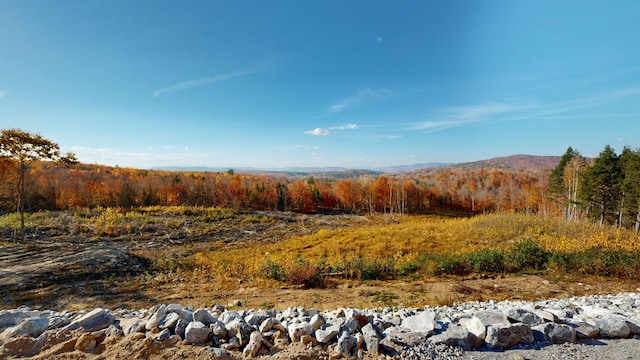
(409,236)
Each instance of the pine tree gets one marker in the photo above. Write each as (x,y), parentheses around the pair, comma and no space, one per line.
(602,185)
(630,164)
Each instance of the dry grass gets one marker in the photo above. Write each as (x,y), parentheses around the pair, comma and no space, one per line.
(406,244)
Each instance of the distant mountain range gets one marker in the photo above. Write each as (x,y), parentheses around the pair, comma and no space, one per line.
(515,162)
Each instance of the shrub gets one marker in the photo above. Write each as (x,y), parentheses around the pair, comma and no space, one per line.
(452,265)
(526,255)
(271,270)
(487,261)
(305,274)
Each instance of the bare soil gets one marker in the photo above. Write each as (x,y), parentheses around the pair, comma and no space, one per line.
(60,271)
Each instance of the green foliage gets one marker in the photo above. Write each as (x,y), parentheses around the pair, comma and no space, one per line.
(452,265)
(272,270)
(526,255)
(490,261)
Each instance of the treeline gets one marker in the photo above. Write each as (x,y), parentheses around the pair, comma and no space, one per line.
(471,190)
(605,189)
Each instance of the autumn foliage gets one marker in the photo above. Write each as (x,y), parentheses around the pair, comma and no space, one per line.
(92,186)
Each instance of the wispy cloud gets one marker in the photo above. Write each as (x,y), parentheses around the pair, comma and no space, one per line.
(498,111)
(3,93)
(344,127)
(209,80)
(318,132)
(361,97)
(463,115)
(326,132)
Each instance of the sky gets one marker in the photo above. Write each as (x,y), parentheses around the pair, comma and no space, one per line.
(355,84)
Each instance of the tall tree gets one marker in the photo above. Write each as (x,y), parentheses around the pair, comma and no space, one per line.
(602,184)
(24,148)
(564,180)
(630,164)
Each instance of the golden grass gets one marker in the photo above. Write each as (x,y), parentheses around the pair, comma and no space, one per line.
(405,238)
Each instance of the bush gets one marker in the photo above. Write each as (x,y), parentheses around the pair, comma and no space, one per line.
(272,270)
(487,261)
(452,265)
(305,274)
(526,255)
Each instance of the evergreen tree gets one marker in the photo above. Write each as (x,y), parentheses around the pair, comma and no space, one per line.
(602,186)
(630,203)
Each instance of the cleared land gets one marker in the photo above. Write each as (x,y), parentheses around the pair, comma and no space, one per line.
(199,257)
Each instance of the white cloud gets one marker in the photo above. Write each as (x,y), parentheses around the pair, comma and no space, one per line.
(3,93)
(208,80)
(168,147)
(359,98)
(379,39)
(344,127)
(464,115)
(318,132)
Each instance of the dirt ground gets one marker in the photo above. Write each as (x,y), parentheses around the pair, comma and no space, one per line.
(79,277)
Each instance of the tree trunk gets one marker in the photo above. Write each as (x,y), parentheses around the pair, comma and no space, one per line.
(21,181)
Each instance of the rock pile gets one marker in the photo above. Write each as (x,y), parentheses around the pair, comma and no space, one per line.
(440,332)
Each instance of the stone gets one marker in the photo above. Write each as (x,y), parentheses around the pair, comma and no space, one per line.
(218,353)
(218,329)
(96,319)
(181,327)
(613,327)
(113,331)
(524,316)
(308,339)
(267,324)
(327,334)
(546,316)
(423,322)
(85,343)
(132,325)
(203,316)
(163,335)
(196,333)
(346,345)
(182,312)
(169,321)
(157,317)
(476,329)
(452,335)
(506,336)
(253,347)
(556,333)
(316,321)
(491,318)
(371,339)
(584,330)
(298,329)
(404,336)
(31,327)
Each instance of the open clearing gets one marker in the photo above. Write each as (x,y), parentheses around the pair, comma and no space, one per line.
(56,270)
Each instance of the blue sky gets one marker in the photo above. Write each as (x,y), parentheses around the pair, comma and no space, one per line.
(357,84)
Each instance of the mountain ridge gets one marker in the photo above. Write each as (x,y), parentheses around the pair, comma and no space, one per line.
(511,162)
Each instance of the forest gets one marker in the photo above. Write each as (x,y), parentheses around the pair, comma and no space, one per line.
(605,189)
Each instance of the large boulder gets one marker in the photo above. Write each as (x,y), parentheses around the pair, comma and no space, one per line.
(506,336)
(196,333)
(556,333)
(423,322)
(96,319)
(477,331)
(253,347)
(452,335)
